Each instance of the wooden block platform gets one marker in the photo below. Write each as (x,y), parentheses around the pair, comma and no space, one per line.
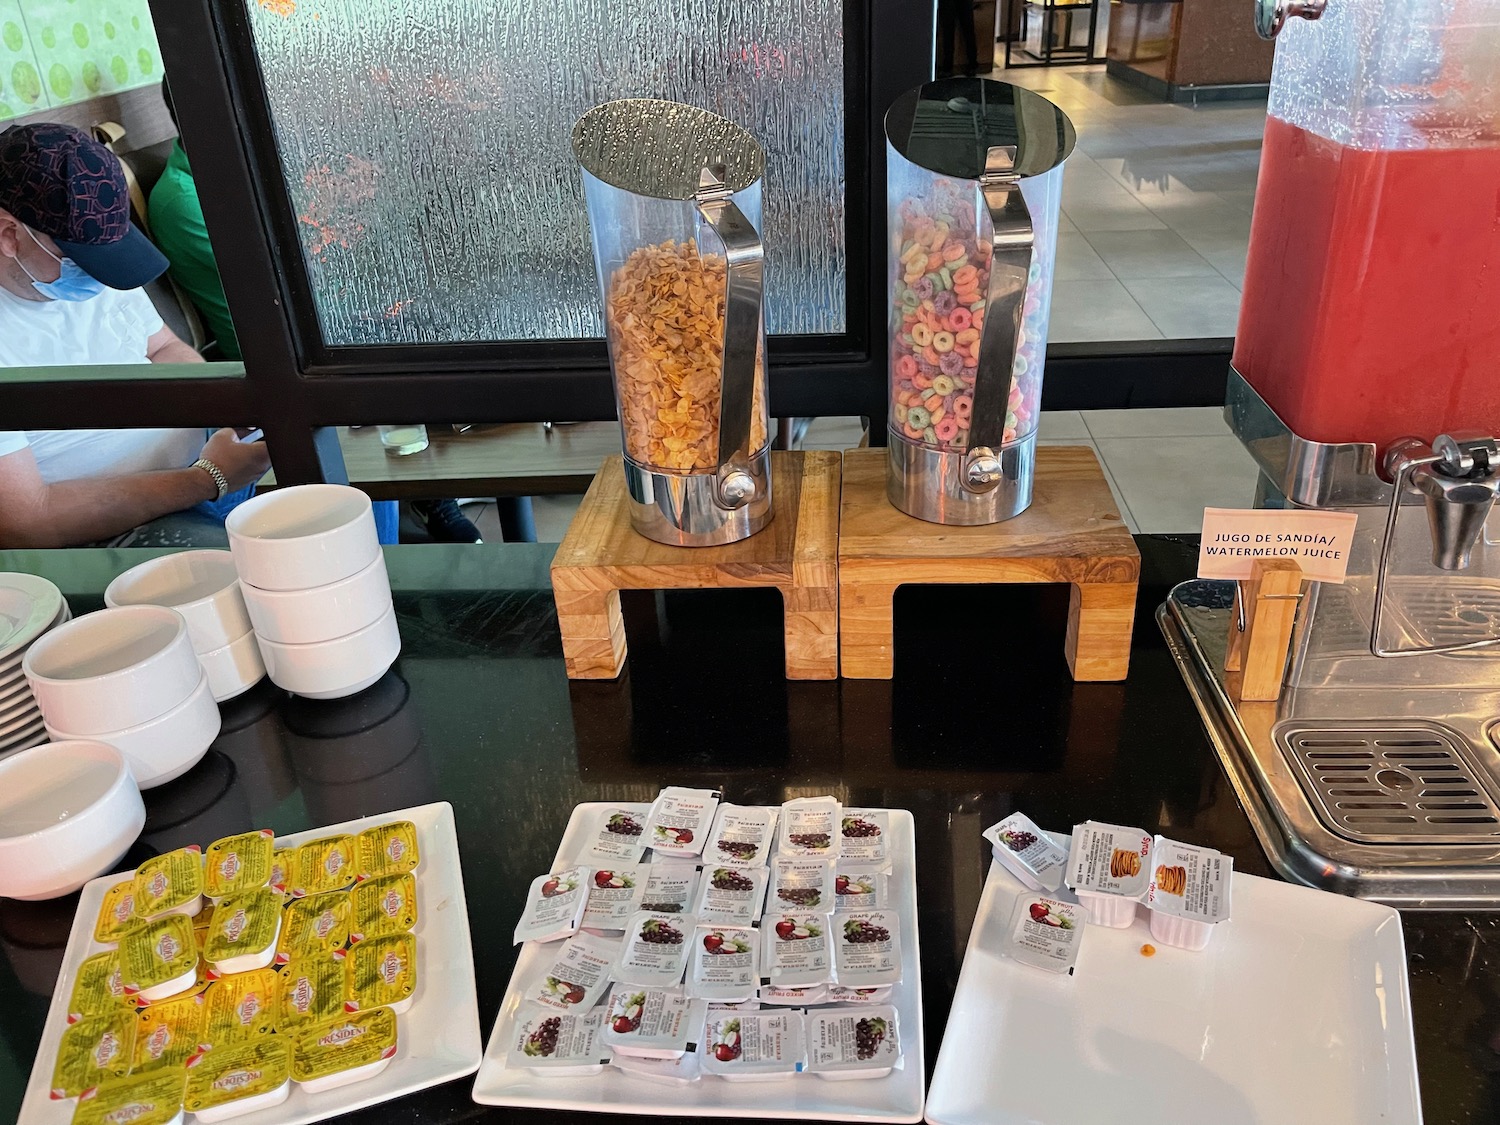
(1071,533)
(797,553)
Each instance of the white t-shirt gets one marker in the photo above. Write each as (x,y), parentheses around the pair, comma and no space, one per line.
(112,328)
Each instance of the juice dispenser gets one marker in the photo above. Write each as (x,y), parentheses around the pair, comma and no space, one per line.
(973,189)
(674,203)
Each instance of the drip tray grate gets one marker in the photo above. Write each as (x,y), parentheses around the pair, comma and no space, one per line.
(1402,783)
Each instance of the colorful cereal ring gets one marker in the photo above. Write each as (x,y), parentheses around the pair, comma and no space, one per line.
(943,386)
(921,335)
(959,319)
(946,430)
(942,342)
(906,367)
(963,406)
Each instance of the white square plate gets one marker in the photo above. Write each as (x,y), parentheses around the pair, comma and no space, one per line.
(895,1098)
(1297,1013)
(438,1037)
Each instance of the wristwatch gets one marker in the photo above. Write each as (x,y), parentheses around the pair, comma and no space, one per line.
(221,482)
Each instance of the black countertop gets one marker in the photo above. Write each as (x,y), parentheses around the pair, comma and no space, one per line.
(980,719)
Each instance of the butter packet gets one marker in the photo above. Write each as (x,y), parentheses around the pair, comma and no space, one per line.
(388,849)
(863,834)
(99,988)
(160,959)
(798,952)
(229,1081)
(552,1044)
(802,883)
(199,983)
(810,827)
(245,928)
(853,1043)
(554,905)
(242,1007)
(117,915)
(579,975)
(754,1046)
(1027,852)
(310,990)
(742,836)
(679,821)
(327,864)
(319,924)
(348,1048)
(170,884)
(92,1051)
(203,922)
(382,971)
(168,1034)
(152,1098)
(867,948)
(732,896)
(384,905)
(238,863)
(283,874)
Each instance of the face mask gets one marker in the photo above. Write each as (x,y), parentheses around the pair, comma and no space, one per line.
(72,283)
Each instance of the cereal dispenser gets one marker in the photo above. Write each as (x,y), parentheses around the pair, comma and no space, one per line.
(973,188)
(674,202)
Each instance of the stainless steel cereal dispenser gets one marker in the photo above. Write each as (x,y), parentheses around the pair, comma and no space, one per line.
(973,187)
(674,202)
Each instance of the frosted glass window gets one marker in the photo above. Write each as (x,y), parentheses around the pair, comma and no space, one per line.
(425,145)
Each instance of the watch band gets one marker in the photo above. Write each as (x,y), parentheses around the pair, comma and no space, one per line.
(221,482)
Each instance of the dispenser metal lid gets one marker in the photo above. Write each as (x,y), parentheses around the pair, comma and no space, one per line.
(660,148)
(949,127)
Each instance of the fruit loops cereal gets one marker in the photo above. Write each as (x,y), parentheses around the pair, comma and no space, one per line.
(665,314)
(939,292)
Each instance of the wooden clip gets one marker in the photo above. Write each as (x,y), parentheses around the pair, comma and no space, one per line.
(1260,632)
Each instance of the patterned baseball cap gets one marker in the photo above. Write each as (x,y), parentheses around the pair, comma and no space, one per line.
(62,183)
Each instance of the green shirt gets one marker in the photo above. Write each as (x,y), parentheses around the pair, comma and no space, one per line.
(178,230)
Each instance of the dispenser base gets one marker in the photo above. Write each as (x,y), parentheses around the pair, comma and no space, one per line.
(1072,532)
(797,553)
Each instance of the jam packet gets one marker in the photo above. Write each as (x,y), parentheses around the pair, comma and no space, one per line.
(863,834)
(171,883)
(742,836)
(99,988)
(853,1042)
(328,864)
(310,990)
(548,1043)
(797,951)
(754,1046)
(318,924)
(147,1098)
(245,928)
(651,1023)
(554,905)
(802,884)
(382,970)
(614,895)
(867,951)
(160,959)
(578,977)
(242,1007)
(117,914)
(681,1071)
(724,964)
(839,994)
(732,895)
(810,827)
(856,888)
(1189,892)
(169,1034)
(238,863)
(1109,868)
(383,905)
(1045,932)
(283,873)
(680,818)
(230,1081)
(792,997)
(617,836)
(93,1050)
(1026,852)
(387,849)
(345,1049)
(670,888)
(655,951)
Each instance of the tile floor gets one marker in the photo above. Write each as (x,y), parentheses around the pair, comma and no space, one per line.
(1156,209)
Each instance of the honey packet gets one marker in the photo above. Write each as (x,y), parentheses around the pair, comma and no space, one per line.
(168,1034)
(150,1098)
(310,990)
(245,928)
(117,915)
(238,863)
(251,1076)
(242,1007)
(171,883)
(345,1049)
(387,849)
(160,959)
(99,988)
(382,971)
(318,924)
(383,905)
(91,1051)
(327,864)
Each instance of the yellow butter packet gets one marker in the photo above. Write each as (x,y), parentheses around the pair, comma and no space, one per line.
(91,1051)
(238,863)
(383,905)
(245,925)
(157,953)
(319,924)
(381,971)
(283,873)
(241,1007)
(343,1043)
(228,1074)
(388,849)
(168,1034)
(173,881)
(153,1098)
(202,922)
(311,989)
(329,864)
(200,982)
(99,989)
(117,914)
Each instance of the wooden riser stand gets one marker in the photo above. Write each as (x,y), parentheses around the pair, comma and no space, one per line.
(1071,533)
(797,553)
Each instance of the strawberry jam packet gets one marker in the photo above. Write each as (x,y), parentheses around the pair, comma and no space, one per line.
(1045,933)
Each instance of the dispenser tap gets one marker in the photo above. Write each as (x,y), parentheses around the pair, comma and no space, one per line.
(1458,477)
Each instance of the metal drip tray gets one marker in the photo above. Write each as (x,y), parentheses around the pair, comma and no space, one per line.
(1453,612)
(1392,785)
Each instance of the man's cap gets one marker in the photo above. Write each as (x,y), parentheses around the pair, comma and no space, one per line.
(61,182)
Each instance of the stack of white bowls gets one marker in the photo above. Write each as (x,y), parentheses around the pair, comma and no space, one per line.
(29,606)
(204,588)
(128,677)
(315,585)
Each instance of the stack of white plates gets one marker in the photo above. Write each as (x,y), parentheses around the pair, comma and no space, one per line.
(29,606)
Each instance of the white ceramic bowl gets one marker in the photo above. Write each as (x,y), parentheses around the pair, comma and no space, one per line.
(167,746)
(233,669)
(203,586)
(307,535)
(68,812)
(112,669)
(334,669)
(321,613)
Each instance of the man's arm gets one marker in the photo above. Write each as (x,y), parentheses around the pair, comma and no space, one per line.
(167,347)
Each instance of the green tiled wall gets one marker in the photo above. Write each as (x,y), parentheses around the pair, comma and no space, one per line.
(57,52)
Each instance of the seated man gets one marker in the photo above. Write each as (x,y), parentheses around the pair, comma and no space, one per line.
(71,268)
